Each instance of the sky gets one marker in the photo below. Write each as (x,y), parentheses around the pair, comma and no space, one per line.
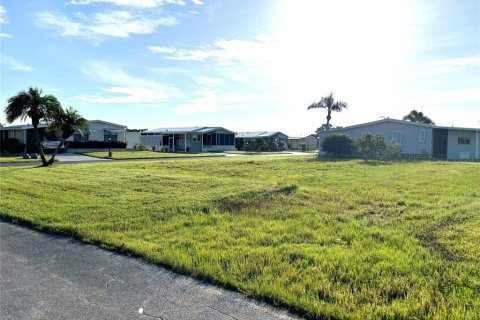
(245,65)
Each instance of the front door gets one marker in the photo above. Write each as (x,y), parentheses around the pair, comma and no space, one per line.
(440,142)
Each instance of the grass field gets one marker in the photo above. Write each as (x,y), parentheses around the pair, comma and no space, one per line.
(15,157)
(329,240)
(257,152)
(149,155)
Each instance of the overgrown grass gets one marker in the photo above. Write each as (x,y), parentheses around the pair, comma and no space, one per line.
(330,240)
(149,154)
(15,157)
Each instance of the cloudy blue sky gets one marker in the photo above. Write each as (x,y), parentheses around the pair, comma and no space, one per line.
(245,65)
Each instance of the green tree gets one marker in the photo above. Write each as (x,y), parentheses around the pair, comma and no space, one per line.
(36,106)
(339,144)
(67,122)
(330,105)
(418,116)
(371,145)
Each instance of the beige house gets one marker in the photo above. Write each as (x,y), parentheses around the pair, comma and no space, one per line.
(310,141)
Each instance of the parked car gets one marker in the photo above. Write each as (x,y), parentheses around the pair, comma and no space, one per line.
(49,144)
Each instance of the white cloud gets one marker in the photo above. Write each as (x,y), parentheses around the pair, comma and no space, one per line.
(211,101)
(261,49)
(124,88)
(3,14)
(197,2)
(451,65)
(14,64)
(119,24)
(5,35)
(131,3)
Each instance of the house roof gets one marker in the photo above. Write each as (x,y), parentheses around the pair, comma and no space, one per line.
(186,130)
(110,123)
(298,138)
(418,124)
(44,125)
(258,134)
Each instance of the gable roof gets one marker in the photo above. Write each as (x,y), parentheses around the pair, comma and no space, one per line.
(187,130)
(258,134)
(418,124)
(110,123)
(298,138)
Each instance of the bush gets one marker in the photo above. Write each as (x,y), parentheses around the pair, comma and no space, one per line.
(140,147)
(339,144)
(372,146)
(96,144)
(303,146)
(392,150)
(11,145)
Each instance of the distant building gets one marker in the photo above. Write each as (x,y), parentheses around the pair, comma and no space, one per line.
(99,131)
(269,136)
(310,141)
(419,140)
(195,139)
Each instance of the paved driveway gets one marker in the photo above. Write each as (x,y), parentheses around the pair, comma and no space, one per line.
(74,157)
(52,277)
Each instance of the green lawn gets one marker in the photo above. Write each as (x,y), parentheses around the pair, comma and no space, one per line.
(149,154)
(15,157)
(329,240)
(257,152)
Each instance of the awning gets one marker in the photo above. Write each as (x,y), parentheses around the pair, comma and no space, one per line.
(114,131)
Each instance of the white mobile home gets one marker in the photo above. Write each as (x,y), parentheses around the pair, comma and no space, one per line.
(195,139)
(419,140)
(242,138)
(310,141)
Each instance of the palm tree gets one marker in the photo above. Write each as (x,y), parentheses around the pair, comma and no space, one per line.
(32,104)
(330,104)
(416,116)
(68,122)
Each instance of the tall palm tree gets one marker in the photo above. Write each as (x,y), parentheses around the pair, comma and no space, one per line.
(32,104)
(330,104)
(68,122)
(418,116)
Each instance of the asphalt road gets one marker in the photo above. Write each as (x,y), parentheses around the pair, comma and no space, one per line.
(53,277)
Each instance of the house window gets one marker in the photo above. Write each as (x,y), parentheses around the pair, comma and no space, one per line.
(397,137)
(221,138)
(463,140)
(422,135)
(195,137)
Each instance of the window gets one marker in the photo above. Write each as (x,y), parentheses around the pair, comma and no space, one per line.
(221,139)
(463,140)
(195,137)
(214,139)
(422,135)
(397,137)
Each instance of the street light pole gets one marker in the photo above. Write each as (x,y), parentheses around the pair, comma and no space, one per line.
(109,147)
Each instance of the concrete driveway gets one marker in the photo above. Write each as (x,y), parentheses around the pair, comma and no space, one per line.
(53,277)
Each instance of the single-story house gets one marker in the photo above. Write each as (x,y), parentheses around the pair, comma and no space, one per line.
(196,139)
(102,131)
(99,131)
(310,141)
(242,138)
(419,140)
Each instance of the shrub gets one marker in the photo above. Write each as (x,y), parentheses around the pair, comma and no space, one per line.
(303,146)
(392,150)
(372,146)
(141,147)
(96,144)
(338,144)
(11,145)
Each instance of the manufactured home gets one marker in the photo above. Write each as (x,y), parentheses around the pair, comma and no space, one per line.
(242,138)
(310,142)
(193,139)
(419,140)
